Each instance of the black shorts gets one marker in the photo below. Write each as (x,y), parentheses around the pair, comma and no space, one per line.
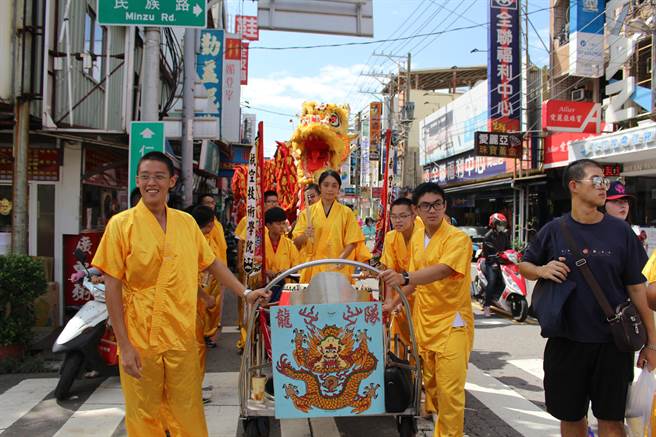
(576,374)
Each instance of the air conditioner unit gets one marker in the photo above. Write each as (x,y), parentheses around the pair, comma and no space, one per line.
(578,94)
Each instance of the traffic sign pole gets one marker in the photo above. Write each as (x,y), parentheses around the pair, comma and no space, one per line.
(145,136)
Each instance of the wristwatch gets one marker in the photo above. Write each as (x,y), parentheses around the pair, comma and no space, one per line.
(406,278)
(247,292)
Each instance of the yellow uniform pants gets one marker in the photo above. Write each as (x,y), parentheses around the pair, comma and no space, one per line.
(169,381)
(445,374)
(213,316)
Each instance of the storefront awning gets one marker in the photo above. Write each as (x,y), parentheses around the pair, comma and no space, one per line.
(480,185)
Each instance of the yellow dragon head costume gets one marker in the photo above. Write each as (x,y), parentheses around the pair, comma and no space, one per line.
(321,140)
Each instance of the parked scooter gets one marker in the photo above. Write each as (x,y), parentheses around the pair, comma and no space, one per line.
(510,295)
(87,339)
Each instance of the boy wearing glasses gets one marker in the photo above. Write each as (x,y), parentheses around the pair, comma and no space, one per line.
(439,274)
(582,364)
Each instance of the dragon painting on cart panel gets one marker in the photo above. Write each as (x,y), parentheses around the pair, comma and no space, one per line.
(328,360)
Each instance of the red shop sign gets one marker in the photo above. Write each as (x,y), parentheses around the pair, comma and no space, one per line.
(42,164)
(74,293)
(556,148)
(567,116)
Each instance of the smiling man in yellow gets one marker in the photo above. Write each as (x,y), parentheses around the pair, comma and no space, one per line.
(439,274)
(151,256)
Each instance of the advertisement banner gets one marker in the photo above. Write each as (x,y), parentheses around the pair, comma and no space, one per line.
(246,25)
(586,39)
(556,148)
(467,167)
(613,146)
(230,111)
(566,116)
(503,67)
(375,114)
(498,144)
(209,68)
(244,63)
(74,292)
(450,130)
(42,164)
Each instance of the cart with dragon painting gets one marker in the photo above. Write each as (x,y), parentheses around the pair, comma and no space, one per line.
(325,352)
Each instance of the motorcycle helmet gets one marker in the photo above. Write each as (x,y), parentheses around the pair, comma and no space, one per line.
(498,221)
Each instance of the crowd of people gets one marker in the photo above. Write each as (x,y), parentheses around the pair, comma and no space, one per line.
(165,274)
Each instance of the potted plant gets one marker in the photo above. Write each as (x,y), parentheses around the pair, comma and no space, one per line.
(21,281)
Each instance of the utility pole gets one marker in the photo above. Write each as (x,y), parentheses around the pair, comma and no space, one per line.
(150,97)
(188,117)
(408,115)
(21,138)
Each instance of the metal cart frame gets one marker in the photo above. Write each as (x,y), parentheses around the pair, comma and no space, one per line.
(254,415)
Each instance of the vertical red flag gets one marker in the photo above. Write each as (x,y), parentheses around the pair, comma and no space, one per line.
(386,198)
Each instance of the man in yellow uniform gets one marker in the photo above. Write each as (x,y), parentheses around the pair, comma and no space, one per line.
(151,256)
(281,253)
(215,289)
(439,274)
(270,201)
(396,256)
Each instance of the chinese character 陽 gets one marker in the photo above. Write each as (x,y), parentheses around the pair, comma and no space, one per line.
(371,315)
(152,4)
(181,5)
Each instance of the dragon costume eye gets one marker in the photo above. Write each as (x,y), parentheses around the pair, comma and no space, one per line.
(334,120)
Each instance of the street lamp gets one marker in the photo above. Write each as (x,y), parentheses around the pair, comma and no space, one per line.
(475,50)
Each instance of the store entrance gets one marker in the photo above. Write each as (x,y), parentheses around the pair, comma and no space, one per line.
(41,215)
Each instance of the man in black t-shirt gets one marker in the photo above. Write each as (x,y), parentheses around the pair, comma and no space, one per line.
(582,364)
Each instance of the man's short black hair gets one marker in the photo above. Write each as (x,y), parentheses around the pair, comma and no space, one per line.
(269,193)
(402,201)
(575,171)
(204,195)
(157,156)
(203,215)
(274,215)
(312,186)
(425,188)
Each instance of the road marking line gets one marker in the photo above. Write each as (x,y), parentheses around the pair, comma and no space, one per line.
(519,413)
(21,398)
(100,414)
(295,428)
(324,427)
(532,366)
(229,330)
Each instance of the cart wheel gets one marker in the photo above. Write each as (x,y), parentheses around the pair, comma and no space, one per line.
(256,427)
(407,426)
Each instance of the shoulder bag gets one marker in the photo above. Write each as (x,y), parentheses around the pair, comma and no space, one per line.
(625,322)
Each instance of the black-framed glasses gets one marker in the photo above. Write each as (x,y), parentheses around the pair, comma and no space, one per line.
(400,217)
(426,206)
(597,182)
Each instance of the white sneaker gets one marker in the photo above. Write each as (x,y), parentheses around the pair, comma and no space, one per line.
(487,312)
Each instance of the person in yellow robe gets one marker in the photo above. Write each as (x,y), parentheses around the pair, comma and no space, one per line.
(215,288)
(312,196)
(333,231)
(439,274)
(281,254)
(151,256)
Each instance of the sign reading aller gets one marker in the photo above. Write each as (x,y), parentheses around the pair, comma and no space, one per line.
(164,13)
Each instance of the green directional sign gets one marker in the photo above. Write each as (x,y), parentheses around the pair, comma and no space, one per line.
(157,13)
(145,136)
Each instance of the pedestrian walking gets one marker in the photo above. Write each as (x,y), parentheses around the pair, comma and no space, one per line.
(440,276)
(151,256)
(582,363)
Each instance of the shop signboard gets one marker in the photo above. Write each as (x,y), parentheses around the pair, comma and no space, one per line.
(503,66)
(246,26)
(230,106)
(467,168)
(556,148)
(365,173)
(498,144)
(614,145)
(244,63)
(449,131)
(586,38)
(375,114)
(145,137)
(612,170)
(159,13)
(209,68)
(42,164)
(74,292)
(568,116)
(248,126)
